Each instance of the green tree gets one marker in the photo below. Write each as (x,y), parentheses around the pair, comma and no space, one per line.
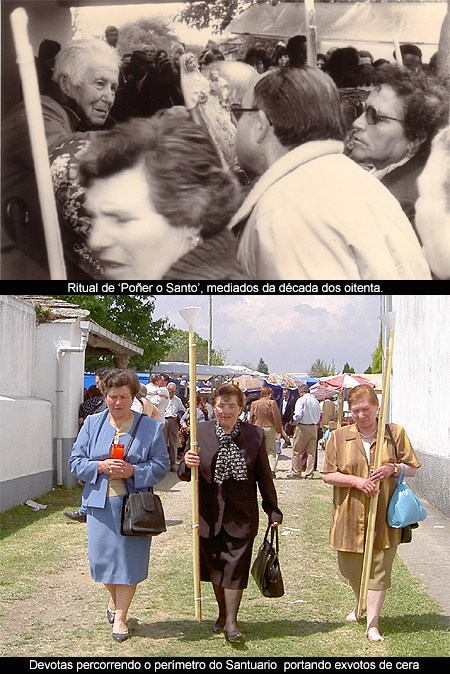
(178,349)
(262,366)
(134,34)
(320,369)
(377,358)
(128,316)
(348,368)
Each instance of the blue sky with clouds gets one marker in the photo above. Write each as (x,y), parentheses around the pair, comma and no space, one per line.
(289,332)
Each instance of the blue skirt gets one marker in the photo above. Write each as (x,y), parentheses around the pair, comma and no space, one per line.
(115,559)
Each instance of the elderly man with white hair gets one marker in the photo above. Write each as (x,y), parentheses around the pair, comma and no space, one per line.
(84,82)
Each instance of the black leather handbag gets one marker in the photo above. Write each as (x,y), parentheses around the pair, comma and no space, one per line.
(142,514)
(142,511)
(266,568)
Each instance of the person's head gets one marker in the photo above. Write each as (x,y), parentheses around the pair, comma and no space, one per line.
(139,64)
(131,174)
(48,49)
(164,380)
(119,388)
(363,405)
(379,63)
(288,107)
(228,403)
(150,50)
(172,388)
(286,393)
(365,57)
(142,393)
(321,61)
(411,56)
(296,50)
(361,77)
(111,35)
(162,58)
(100,374)
(93,391)
(188,63)
(341,63)
(266,392)
(280,58)
(257,59)
(88,72)
(176,51)
(155,379)
(401,116)
(126,60)
(303,389)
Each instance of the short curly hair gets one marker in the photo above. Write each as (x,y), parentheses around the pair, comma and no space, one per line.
(228,390)
(425,100)
(187,181)
(116,378)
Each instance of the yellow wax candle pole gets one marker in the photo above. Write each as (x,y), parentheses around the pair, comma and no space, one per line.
(373,504)
(190,315)
(398,53)
(32,101)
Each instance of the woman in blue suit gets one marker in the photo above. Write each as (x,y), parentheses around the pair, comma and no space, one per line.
(120,562)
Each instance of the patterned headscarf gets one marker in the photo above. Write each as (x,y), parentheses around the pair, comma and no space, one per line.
(230,460)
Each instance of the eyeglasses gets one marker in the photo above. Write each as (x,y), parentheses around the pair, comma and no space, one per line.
(373,116)
(237,112)
(223,407)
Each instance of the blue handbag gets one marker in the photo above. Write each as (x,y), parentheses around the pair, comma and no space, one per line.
(405,507)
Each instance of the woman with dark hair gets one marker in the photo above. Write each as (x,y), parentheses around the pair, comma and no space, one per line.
(341,63)
(157,192)
(232,461)
(394,131)
(349,467)
(119,562)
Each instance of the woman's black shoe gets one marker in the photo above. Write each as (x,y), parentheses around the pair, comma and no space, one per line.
(234,637)
(217,628)
(120,636)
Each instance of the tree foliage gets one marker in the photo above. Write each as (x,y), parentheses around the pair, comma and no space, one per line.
(134,34)
(128,316)
(262,366)
(348,369)
(178,349)
(214,14)
(321,369)
(377,358)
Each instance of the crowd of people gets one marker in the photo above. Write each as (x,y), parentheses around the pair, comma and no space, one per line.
(281,170)
(234,457)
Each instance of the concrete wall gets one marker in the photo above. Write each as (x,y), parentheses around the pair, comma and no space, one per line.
(28,401)
(419,397)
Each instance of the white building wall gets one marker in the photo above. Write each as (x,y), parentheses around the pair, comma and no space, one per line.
(419,397)
(17,346)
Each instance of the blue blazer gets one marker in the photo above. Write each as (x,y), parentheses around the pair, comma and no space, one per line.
(148,454)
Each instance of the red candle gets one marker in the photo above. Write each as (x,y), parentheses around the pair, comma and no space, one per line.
(118,451)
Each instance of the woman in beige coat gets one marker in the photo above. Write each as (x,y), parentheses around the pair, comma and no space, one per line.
(348,466)
(266,414)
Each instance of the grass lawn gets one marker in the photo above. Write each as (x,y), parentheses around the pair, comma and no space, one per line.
(51,606)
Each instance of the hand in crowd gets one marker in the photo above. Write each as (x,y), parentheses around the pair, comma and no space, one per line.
(383,472)
(191,458)
(116,468)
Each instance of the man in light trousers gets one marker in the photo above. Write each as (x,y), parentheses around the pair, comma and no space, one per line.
(306,418)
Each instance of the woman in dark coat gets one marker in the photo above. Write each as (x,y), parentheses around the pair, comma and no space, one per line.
(232,461)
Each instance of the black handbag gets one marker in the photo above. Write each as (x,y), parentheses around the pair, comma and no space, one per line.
(142,514)
(266,568)
(142,511)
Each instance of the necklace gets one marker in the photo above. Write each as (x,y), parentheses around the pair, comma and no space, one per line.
(368,437)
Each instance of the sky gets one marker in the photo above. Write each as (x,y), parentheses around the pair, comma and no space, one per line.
(92,21)
(289,333)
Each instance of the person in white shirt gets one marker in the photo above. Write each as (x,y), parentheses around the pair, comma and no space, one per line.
(172,423)
(158,394)
(306,418)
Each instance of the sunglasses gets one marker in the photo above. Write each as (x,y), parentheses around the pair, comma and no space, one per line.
(237,112)
(372,114)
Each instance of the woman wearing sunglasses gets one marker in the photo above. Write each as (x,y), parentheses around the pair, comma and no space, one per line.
(393,134)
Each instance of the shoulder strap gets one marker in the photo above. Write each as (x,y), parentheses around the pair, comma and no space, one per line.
(391,437)
(133,434)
